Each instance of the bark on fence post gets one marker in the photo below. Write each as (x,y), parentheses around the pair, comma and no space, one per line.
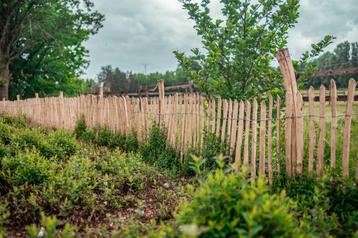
(18,105)
(288,72)
(101,91)
(161,90)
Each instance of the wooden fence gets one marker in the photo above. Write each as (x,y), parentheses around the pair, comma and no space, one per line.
(261,135)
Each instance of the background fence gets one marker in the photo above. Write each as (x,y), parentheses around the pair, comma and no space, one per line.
(260,135)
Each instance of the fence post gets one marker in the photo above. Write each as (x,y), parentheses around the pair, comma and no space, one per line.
(288,72)
(62,111)
(191,86)
(4,105)
(161,90)
(347,128)
(18,107)
(101,91)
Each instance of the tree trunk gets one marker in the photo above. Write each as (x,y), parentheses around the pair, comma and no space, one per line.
(4,81)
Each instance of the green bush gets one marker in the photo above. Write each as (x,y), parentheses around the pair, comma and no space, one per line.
(4,214)
(158,151)
(26,168)
(329,204)
(104,137)
(127,172)
(4,151)
(131,144)
(63,144)
(19,122)
(211,149)
(50,229)
(80,128)
(5,133)
(32,138)
(227,205)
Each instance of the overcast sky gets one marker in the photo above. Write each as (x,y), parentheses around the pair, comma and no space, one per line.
(139,32)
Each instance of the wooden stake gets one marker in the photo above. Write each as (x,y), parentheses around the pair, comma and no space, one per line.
(286,66)
(239,136)
(247,133)
(218,118)
(262,161)
(312,140)
(269,140)
(254,139)
(333,93)
(347,128)
(300,135)
(278,135)
(320,150)
(225,118)
(234,125)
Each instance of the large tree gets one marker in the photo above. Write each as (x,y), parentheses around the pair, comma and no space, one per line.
(43,40)
(238,48)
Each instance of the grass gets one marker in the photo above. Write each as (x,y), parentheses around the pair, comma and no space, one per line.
(341,109)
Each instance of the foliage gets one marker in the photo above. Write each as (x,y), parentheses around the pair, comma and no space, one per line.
(26,168)
(32,139)
(227,205)
(4,214)
(212,147)
(102,185)
(16,122)
(50,225)
(158,151)
(329,205)
(118,82)
(345,55)
(63,144)
(102,136)
(77,187)
(52,50)
(80,128)
(238,48)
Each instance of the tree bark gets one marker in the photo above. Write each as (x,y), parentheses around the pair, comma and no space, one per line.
(4,80)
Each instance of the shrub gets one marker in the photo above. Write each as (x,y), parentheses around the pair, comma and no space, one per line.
(127,172)
(4,214)
(229,206)
(16,122)
(49,229)
(157,150)
(212,147)
(104,137)
(26,168)
(63,144)
(80,128)
(5,133)
(329,204)
(4,151)
(132,143)
(32,138)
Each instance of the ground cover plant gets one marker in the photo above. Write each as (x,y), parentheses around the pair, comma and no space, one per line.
(96,183)
(49,178)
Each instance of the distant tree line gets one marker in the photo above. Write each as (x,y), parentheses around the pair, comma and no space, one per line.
(345,55)
(118,82)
